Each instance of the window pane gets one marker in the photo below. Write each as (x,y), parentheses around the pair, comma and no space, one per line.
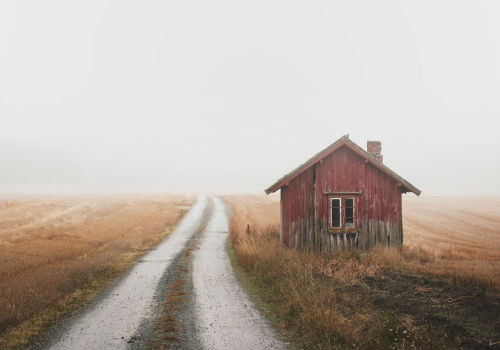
(349,213)
(349,222)
(336,202)
(335,217)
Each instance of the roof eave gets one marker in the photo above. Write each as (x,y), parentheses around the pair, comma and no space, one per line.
(344,140)
(413,189)
(316,158)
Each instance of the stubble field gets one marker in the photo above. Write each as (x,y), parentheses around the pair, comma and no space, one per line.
(56,252)
(461,233)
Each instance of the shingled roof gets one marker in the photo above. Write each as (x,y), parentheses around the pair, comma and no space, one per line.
(343,141)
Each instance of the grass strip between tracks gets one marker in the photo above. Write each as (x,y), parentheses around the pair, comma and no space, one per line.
(168,327)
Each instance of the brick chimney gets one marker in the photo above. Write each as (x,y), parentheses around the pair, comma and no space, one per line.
(375,149)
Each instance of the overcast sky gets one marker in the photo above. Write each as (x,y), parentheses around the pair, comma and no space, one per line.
(228,95)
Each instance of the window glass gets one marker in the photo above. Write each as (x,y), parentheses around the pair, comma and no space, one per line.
(335,217)
(349,212)
(335,207)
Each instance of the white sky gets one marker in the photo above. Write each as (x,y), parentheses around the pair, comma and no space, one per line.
(228,95)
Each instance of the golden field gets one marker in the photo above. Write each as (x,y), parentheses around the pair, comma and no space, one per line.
(461,233)
(440,291)
(54,252)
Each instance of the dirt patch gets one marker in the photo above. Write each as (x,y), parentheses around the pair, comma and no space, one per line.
(427,312)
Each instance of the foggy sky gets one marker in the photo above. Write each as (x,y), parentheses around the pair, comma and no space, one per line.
(227,96)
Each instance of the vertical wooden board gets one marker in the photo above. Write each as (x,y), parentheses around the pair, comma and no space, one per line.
(383,236)
(283,215)
(363,211)
(362,236)
(380,231)
(385,198)
(400,233)
(379,196)
(371,232)
(369,194)
(291,204)
(339,186)
(367,236)
(281,218)
(302,234)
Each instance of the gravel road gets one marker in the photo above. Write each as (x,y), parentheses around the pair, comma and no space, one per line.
(226,319)
(114,319)
(216,313)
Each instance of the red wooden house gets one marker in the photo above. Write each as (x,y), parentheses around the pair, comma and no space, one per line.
(343,197)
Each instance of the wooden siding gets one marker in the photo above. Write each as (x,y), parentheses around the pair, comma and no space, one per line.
(305,211)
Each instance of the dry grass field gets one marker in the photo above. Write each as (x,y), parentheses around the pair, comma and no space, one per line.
(461,233)
(55,252)
(441,291)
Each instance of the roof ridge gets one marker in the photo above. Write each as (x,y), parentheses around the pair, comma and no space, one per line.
(344,140)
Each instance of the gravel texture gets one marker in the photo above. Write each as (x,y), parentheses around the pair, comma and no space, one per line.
(226,318)
(112,321)
(216,312)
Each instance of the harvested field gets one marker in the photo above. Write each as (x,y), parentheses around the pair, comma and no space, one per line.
(464,228)
(52,248)
(461,234)
(441,291)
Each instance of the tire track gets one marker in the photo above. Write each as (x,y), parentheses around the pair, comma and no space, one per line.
(226,318)
(112,321)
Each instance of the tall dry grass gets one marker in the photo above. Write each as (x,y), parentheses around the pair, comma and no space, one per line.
(459,237)
(52,248)
(321,299)
(307,306)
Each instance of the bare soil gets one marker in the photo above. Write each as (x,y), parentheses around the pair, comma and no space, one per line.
(429,312)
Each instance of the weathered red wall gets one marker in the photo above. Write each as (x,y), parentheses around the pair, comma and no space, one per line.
(378,205)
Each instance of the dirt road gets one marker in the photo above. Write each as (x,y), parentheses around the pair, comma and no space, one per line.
(114,320)
(226,319)
(222,317)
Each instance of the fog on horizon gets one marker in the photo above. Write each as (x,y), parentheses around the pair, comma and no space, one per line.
(223,96)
